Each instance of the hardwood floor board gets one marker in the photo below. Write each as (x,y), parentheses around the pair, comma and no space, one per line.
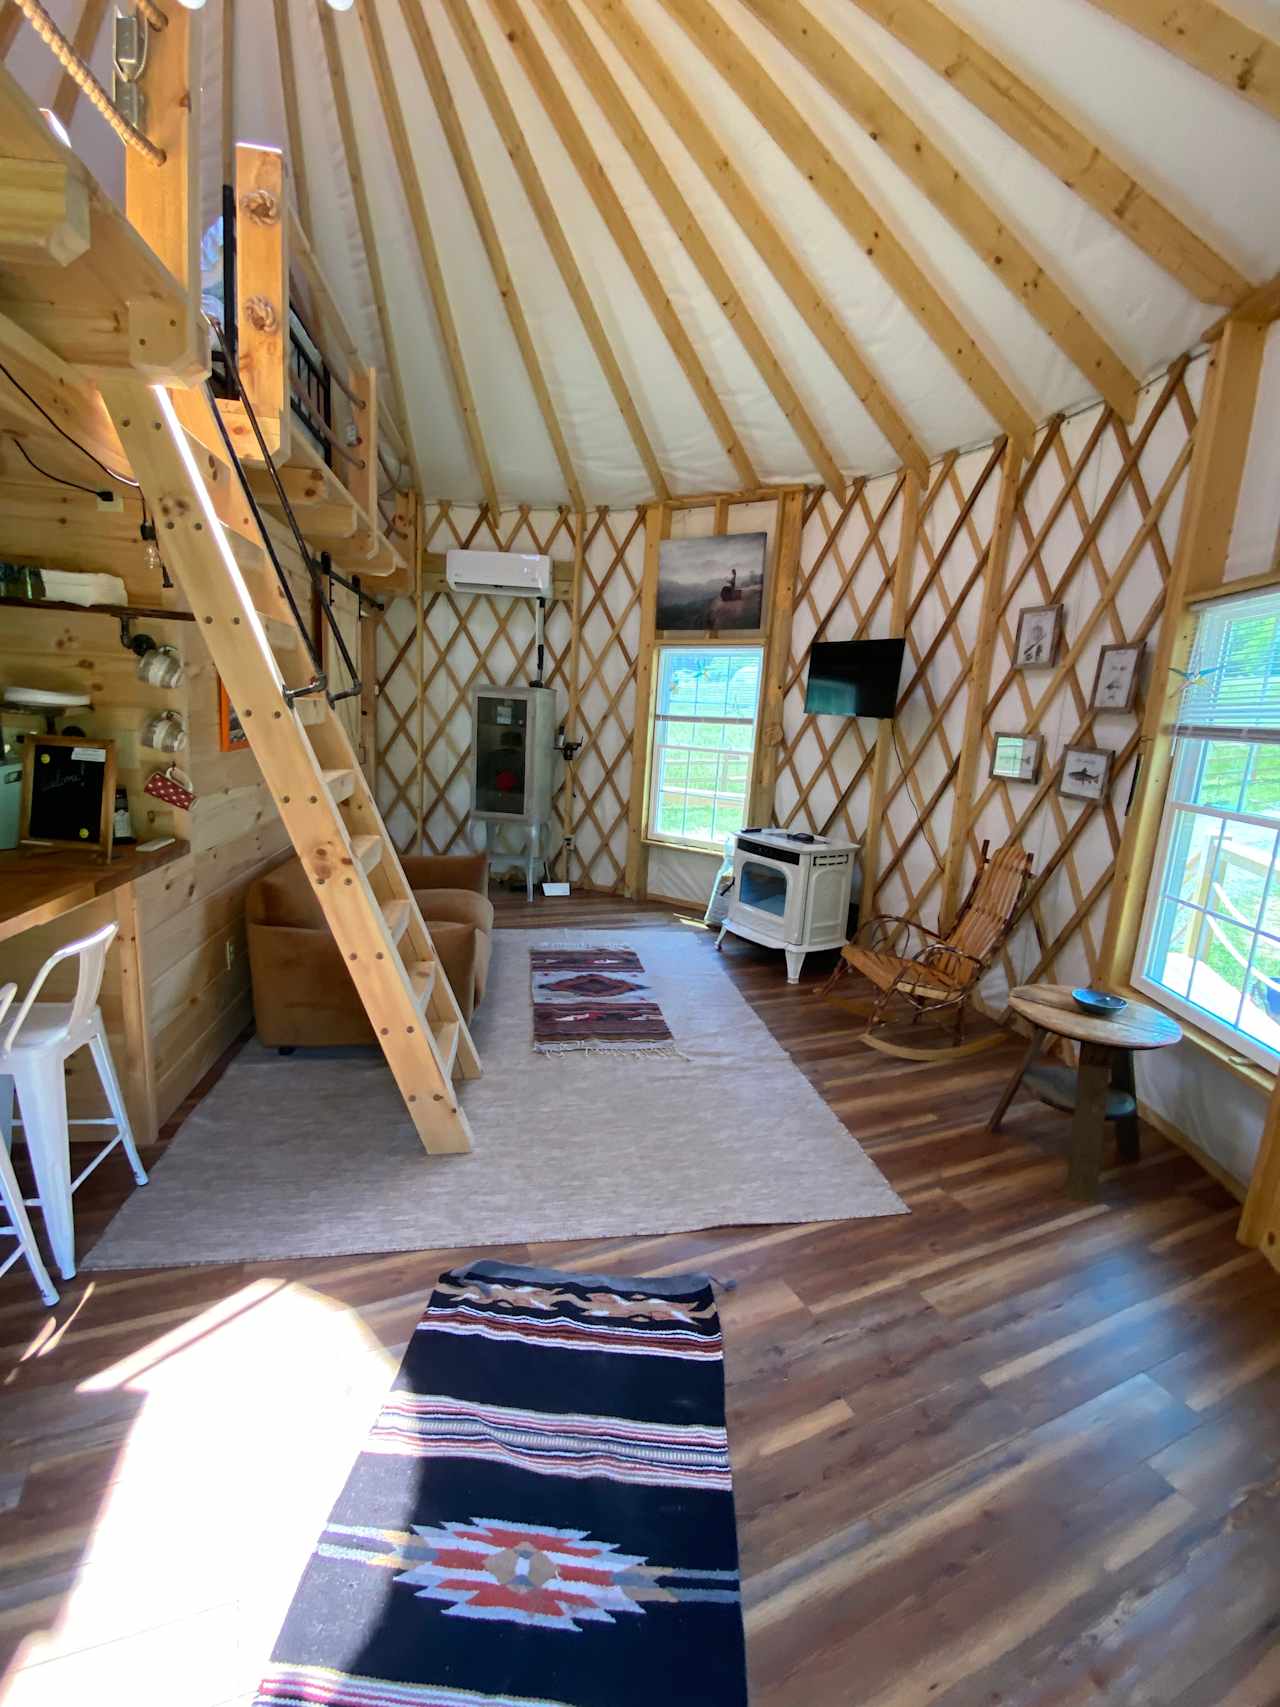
(1096,1525)
(909,1635)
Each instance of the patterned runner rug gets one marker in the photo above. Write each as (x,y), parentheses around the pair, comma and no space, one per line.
(542,1515)
(596,999)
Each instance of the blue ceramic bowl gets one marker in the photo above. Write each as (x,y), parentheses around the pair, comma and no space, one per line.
(1098,1003)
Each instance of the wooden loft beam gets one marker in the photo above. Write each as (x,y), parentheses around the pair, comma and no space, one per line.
(609,97)
(1210,40)
(927,165)
(442,97)
(428,254)
(795,137)
(292,114)
(560,111)
(227,47)
(84,41)
(1071,154)
(508,128)
(360,194)
(10,19)
(807,296)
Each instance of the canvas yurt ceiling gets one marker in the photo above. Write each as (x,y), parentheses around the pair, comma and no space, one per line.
(618,246)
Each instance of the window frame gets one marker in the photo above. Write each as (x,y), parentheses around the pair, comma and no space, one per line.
(1246,1048)
(651,833)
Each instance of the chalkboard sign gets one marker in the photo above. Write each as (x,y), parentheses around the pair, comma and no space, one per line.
(68,791)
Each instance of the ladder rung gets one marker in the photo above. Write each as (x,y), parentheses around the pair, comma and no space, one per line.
(312,709)
(446,1035)
(422,975)
(341,784)
(396,913)
(283,636)
(368,851)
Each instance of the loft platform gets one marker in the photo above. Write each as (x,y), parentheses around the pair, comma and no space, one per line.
(75,274)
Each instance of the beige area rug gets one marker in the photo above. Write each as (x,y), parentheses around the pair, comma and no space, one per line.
(312,1155)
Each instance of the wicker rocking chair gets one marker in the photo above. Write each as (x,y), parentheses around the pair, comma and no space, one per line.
(936,976)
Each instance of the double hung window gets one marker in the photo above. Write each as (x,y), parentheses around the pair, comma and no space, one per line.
(703,742)
(1210,943)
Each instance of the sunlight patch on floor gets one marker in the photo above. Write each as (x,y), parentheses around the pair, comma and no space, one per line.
(251,1416)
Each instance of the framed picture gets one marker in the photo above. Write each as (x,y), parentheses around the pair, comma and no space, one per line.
(1085,774)
(231,735)
(712,586)
(1116,684)
(1016,758)
(1039,631)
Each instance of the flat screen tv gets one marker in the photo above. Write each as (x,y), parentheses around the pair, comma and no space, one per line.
(854,678)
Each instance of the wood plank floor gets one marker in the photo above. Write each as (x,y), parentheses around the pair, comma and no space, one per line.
(1007,1450)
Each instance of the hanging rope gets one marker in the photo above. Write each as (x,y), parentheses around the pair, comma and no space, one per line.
(80,74)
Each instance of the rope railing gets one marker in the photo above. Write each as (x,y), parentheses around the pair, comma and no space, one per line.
(80,74)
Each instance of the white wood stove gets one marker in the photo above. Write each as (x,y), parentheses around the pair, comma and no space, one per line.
(790,891)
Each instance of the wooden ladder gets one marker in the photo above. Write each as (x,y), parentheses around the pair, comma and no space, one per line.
(304,753)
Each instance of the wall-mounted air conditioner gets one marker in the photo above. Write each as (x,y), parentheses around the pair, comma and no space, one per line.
(505,574)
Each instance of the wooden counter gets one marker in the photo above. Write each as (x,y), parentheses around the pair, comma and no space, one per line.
(40,886)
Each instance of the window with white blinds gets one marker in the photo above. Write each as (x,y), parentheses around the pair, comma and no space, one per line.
(1233,679)
(1210,945)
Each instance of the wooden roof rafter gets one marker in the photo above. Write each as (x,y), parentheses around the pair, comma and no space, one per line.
(926,163)
(360,194)
(1075,157)
(1212,41)
(762,96)
(508,127)
(297,155)
(790,272)
(619,113)
(573,136)
(84,41)
(442,98)
(424,237)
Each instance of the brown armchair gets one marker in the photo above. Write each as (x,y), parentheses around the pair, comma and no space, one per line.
(302,991)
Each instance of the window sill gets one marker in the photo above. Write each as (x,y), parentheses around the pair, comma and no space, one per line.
(1260,1077)
(709,850)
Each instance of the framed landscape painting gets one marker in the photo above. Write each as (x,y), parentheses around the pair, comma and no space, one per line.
(712,586)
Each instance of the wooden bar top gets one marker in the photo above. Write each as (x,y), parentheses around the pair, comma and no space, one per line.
(39,884)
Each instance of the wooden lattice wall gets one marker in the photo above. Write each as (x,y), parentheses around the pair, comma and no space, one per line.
(1089,522)
(1095,529)
(469,641)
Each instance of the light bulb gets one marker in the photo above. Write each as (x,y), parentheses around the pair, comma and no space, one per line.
(342,5)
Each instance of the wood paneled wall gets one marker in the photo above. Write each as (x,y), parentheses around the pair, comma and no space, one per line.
(190,915)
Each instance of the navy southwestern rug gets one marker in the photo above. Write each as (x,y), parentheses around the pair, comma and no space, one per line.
(542,1515)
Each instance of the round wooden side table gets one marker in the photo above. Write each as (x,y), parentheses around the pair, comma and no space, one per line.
(1102,1087)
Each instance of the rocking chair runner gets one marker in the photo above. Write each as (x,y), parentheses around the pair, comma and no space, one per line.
(940,977)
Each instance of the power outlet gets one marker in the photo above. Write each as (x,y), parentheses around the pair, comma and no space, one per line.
(112,501)
(231,953)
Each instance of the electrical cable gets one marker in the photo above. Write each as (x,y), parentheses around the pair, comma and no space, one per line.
(120,479)
(56,478)
(924,822)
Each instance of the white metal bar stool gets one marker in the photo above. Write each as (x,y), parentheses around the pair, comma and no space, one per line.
(11,1198)
(33,1051)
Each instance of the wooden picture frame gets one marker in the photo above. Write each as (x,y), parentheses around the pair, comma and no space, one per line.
(1024,766)
(1085,774)
(231,735)
(1115,684)
(1038,636)
(38,808)
(699,596)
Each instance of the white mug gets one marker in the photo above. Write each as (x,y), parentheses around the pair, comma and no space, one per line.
(165,732)
(161,667)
